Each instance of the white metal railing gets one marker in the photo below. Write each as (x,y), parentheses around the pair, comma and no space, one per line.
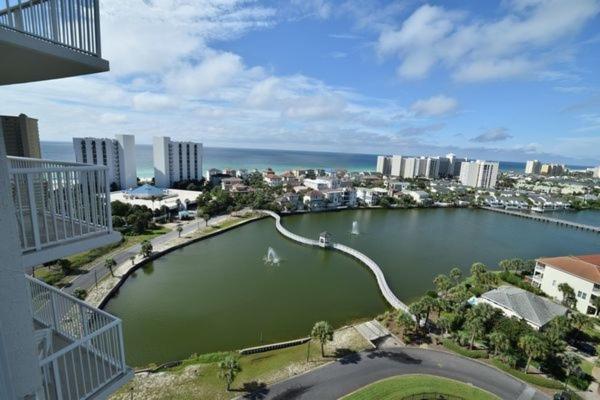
(57,202)
(71,23)
(88,352)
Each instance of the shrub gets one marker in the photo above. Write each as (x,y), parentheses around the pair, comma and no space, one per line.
(529,378)
(81,294)
(453,346)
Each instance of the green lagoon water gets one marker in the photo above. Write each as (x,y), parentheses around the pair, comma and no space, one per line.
(218,294)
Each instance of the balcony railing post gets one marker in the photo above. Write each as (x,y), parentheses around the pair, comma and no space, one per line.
(97,50)
(54,311)
(33,211)
(54,20)
(57,381)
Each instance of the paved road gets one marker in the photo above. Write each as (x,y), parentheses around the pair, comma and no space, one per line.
(98,271)
(349,374)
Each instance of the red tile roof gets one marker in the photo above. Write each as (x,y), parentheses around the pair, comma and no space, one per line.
(585,266)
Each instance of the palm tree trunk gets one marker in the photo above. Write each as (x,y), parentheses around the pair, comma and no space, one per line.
(472,341)
(322,350)
(528,362)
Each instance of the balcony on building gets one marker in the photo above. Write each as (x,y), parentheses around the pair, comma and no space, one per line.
(80,348)
(61,208)
(49,39)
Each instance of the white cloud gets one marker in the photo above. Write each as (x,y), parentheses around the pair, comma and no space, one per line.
(475,50)
(147,101)
(214,71)
(492,135)
(112,118)
(434,106)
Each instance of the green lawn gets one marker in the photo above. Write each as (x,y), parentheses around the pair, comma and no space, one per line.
(398,387)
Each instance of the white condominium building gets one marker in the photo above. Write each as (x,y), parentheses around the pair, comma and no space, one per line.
(533,167)
(397,166)
(596,172)
(384,165)
(117,154)
(479,173)
(176,161)
(582,273)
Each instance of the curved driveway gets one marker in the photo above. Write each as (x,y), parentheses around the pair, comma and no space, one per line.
(355,371)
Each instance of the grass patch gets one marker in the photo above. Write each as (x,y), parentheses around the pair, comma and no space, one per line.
(587,366)
(529,378)
(455,347)
(398,387)
(49,275)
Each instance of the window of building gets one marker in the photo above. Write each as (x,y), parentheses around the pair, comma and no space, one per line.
(554,282)
(581,295)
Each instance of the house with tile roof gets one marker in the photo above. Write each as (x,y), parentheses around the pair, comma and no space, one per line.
(582,273)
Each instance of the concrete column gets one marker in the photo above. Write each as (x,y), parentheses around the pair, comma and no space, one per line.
(16,322)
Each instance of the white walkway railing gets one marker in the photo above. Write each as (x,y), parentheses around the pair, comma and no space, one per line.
(58,202)
(87,352)
(372,265)
(70,23)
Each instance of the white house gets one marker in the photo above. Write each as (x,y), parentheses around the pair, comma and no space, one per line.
(370,196)
(582,273)
(537,311)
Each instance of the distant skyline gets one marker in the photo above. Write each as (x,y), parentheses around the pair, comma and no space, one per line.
(506,80)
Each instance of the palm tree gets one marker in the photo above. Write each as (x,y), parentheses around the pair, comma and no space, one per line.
(109,263)
(505,265)
(478,271)
(146,249)
(406,322)
(442,284)
(229,367)
(571,363)
(475,327)
(595,302)
(499,342)
(580,321)
(533,347)
(456,275)
(179,229)
(569,299)
(323,332)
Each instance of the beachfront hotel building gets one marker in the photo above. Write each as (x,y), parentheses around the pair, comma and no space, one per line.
(176,161)
(52,345)
(413,167)
(480,174)
(533,167)
(21,136)
(582,273)
(117,154)
(384,165)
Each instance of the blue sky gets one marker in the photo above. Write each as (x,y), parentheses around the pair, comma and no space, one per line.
(504,80)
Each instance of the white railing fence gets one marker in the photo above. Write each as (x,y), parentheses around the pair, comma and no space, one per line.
(56,202)
(88,346)
(72,23)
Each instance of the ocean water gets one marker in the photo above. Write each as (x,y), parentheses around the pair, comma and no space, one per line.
(279,160)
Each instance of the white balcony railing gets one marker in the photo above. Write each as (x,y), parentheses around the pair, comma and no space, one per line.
(57,203)
(84,354)
(71,23)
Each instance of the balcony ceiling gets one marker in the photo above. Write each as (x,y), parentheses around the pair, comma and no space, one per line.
(24,58)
